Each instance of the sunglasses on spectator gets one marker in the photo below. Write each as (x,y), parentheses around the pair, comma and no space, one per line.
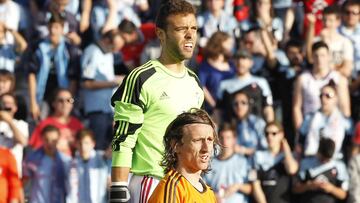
(327,95)
(65,100)
(272,133)
(351,13)
(242,103)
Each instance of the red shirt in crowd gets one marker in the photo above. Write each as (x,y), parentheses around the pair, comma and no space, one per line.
(132,52)
(316,7)
(67,133)
(10,185)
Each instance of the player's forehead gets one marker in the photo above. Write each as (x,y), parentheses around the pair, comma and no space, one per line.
(180,20)
(198,130)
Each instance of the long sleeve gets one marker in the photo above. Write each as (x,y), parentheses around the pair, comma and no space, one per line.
(128,117)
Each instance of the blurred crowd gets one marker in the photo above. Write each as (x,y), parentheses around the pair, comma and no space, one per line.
(281,79)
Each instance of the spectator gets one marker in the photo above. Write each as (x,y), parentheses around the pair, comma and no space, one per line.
(213,19)
(136,39)
(350,28)
(322,179)
(89,172)
(13,133)
(216,66)
(283,86)
(308,84)
(264,51)
(229,177)
(7,82)
(327,122)
(256,87)
(268,31)
(53,63)
(315,7)
(7,85)
(274,166)
(340,47)
(62,105)
(189,142)
(10,17)
(99,81)
(240,8)
(42,13)
(249,128)
(47,170)
(263,17)
(10,184)
(108,14)
(10,51)
(354,184)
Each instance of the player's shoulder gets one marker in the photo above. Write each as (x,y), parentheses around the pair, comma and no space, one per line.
(191,72)
(143,72)
(147,65)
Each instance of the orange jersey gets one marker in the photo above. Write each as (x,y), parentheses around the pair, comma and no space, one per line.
(10,185)
(174,188)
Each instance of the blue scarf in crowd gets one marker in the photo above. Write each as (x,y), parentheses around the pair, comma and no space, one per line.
(61,61)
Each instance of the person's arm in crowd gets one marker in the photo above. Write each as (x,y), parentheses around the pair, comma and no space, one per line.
(310,37)
(74,38)
(94,84)
(143,6)
(111,18)
(327,187)
(20,41)
(34,107)
(208,98)
(269,47)
(247,151)
(288,23)
(332,189)
(297,104)
(346,67)
(258,193)
(301,187)
(19,137)
(291,165)
(344,96)
(85,15)
(269,114)
(244,188)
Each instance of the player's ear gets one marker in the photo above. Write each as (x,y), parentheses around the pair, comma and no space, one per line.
(160,34)
(175,147)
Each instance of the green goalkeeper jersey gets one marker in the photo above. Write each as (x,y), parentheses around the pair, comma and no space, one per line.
(149,98)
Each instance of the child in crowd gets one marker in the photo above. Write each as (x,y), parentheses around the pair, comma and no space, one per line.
(89,173)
